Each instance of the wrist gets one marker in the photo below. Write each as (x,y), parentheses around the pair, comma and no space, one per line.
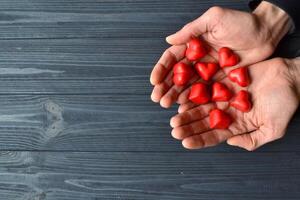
(294,68)
(275,20)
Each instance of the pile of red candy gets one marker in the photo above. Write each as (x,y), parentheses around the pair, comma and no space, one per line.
(202,93)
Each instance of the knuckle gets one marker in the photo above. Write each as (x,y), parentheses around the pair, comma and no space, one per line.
(251,148)
(168,55)
(279,61)
(167,52)
(187,26)
(270,47)
(279,135)
(216,10)
(253,144)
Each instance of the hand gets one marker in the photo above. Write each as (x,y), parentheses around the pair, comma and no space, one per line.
(275,96)
(253,36)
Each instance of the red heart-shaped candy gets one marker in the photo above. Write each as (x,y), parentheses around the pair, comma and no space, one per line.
(206,70)
(242,101)
(195,49)
(182,73)
(240,76)
(199,93)
(227,57)
(219,119)
(220,92)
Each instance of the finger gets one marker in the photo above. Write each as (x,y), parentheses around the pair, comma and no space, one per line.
(184,96)
(206,139)
(192,115)
(250,57)
(193,128)
(189,31)
(169,58)
(187,106)
(213,52)
(212,57)
(166,92)
(172,94)
(160,89)
(253,140)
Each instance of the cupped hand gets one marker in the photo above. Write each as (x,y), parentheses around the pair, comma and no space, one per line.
(250,35)
(274,96)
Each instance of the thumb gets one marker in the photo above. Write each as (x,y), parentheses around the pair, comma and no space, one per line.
(189,31)
(253,140)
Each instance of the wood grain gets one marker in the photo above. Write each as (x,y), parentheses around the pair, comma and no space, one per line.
(84,66)
(76,120)
(98,123)
(77,66)
(100,18)
(87,175)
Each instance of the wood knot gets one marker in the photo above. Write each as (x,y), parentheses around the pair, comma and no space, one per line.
(55,121)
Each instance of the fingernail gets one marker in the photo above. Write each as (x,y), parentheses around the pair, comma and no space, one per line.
(168,38)
(164,104)
(152,82)
(172,122)
(179,109)
(230,143)
(185,144)
(172,133)
(154,98)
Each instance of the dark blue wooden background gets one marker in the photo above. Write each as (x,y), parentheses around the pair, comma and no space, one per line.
(77,123)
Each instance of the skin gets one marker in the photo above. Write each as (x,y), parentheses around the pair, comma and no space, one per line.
(266,121)
(253,36)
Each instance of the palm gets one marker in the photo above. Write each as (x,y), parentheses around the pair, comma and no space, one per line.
(274,103)
(241,32)
(238,30)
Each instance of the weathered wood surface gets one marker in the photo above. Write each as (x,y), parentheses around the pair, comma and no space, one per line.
(99,123)
(83,66)
(205,176)
(77,66)
(99,18)
(76,120)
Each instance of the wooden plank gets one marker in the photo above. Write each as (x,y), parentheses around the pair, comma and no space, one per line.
(115,68)
(123,122)
(114,6)
(92,95)
(101,18)
(83,66)
(98,123)
(205,176)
